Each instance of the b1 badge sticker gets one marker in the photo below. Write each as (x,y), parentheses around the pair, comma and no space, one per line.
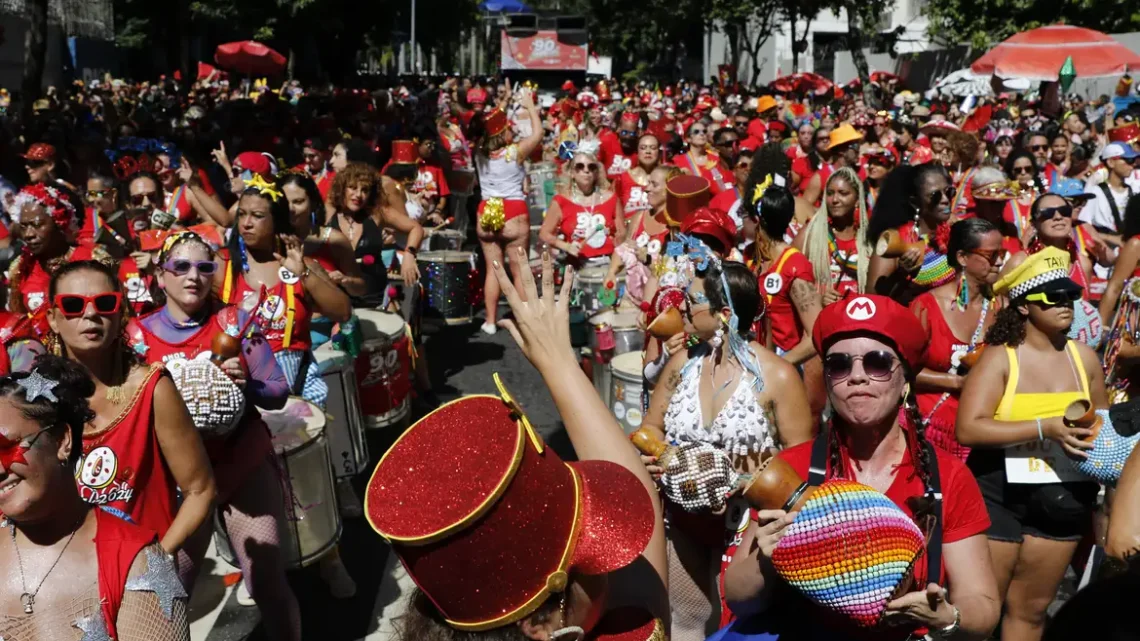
(773,284)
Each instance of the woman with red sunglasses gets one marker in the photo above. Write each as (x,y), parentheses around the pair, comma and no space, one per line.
(48,228)
(131,463)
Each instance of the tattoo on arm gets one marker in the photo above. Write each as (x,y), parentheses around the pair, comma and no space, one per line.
(674,380)
(804,296)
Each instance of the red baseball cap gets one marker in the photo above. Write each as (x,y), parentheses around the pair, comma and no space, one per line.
(40,151)
(876,316)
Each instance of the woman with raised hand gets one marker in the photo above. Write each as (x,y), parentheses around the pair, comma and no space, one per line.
(72,570)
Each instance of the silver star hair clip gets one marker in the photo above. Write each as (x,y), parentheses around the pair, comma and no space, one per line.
(36,386)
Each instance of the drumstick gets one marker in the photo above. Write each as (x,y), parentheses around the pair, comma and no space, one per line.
(431,230)
(253,311)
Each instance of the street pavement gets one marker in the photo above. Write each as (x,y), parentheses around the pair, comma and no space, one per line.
(462,360)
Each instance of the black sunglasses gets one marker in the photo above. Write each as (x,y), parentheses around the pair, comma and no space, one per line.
(937,196)
(625,133)
(138,200)
(1022,170)
(878,365)
(581,166)
(1039,147)
(1048,213)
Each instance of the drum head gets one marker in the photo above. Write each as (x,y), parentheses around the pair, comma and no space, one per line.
(628,366)
(376,324)
(331,360)
(446,256)
(295,425)
(593,273)
(625,320)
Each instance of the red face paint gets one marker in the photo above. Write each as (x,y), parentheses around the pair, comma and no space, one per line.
(12,452)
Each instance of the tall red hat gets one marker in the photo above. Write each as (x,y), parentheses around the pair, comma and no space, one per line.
(713,223)
(496,122)
(684,195)
(1128,134)
(404,152)
(476,96)
(489,522)
(878,316)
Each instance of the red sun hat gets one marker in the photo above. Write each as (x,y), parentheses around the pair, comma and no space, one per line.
(713,223)
(404,152)
(40,151)
(876,316)
(472,494)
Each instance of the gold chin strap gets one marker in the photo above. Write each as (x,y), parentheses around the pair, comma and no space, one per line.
(518,414)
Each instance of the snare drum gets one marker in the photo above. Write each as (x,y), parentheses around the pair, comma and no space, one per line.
(312,525)
(347,446)
(589,285)
(616,332)
(442,240)
(625,390)
(383,369)
(447,284)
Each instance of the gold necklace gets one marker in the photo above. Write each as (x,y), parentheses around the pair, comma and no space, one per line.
(116,394)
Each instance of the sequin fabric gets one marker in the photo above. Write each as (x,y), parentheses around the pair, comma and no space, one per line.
(741,427)
(1109,453)
(617,518)
(849,550)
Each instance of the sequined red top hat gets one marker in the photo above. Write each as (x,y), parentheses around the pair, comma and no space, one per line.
(489,522)
(40,151)
(713,223)
(496,122)
(684,195)
(1129,133)
(878,316)
(404,152)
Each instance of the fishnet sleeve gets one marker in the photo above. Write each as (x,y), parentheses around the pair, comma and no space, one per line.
(141,617)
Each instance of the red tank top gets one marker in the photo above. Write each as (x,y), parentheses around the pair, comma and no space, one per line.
(593,227)
(285,315)
(653,244)
(122,466)
(634,198)
(117,544)
(944,352)
(35,279)
(776,287)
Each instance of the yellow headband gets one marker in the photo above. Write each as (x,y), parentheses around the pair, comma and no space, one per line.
(263,187)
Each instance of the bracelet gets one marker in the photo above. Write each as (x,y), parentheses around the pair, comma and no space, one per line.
(1040,434)
(412,250)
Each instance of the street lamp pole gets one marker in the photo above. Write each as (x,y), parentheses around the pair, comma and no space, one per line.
(414,66)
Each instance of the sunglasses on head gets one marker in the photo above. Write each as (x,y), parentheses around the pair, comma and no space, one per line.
(138,200)
(1048,213)
(585,166)
(878,365)
(181,266)
(73,305)
(1054,299)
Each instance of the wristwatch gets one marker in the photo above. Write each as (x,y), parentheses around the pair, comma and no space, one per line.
(948,631)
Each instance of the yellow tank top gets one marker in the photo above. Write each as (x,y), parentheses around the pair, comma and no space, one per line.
(1027,407)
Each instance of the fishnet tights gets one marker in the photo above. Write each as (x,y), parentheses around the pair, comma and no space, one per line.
(694,599)
(140,617)
(251,518)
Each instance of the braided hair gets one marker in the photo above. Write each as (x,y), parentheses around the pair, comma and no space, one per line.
(816,245)
(69,411)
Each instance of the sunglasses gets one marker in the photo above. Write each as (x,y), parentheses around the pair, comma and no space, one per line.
(741,124)
(73,305)
(138,200)
(625,133)
(696,132)
(1048,213)
(881,161)
(992,256)
(1039,147)
(35,164)
(937,196)
(582,166)
(181,266)
(878,365)
(744,164)
(96,194)
(1054,299)
(311,156)
(1022,169)
(13,451)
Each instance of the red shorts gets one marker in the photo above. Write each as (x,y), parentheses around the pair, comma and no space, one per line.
(511,208)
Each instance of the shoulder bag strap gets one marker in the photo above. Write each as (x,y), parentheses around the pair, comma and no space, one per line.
(934,546)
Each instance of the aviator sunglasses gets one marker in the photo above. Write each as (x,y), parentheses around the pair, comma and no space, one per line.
(879,365)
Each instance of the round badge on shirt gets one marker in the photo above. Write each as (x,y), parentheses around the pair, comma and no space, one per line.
(287,276)
(773,283)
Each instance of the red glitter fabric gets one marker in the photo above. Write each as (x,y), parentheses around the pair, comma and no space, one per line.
(628,624)
(487,541)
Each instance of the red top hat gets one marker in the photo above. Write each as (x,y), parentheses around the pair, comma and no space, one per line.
(630,118)
(684,195)
(1127,134)
(489,522)
(40,151)
(495,122)
(404,152)
(476,96)
(713,223)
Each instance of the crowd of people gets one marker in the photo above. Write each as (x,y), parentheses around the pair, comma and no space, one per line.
(891,297)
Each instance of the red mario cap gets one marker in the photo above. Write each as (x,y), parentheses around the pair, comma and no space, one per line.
(713,223)
(873,315)
(471,494)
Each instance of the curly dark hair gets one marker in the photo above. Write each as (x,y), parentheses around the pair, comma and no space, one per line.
(423,622)
(964,145)
(898,196)
(70,411)
(1013,157)
(1008,328)
(770,160)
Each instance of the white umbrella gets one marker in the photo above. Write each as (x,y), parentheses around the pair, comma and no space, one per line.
(964,82)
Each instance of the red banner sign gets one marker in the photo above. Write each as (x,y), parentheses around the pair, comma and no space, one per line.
(543,50)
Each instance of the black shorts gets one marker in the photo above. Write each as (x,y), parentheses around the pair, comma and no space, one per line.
(1055,511)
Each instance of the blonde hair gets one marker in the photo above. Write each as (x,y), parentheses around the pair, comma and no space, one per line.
(815,235)
(566,185)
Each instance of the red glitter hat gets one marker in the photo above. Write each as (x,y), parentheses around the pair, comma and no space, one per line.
(684,195)
(471,494)
(872,314)
(713,223)
(40,151)
(1127,134)
(404,152)
(495,122)
(476,96)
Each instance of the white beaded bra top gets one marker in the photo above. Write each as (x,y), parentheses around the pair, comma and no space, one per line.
(741,427)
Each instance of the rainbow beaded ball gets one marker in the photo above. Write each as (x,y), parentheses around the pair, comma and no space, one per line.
(1110,451)
(849,550)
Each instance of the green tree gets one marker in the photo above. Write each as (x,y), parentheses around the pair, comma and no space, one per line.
(747,24)
(984,23)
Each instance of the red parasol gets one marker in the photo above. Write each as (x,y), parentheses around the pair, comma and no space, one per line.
(249,58)
(1038,54)
(803,82)
(205,69)
(877,78)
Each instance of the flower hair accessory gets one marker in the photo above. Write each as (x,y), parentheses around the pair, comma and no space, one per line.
(35,386)
(263,187)
(758,192)
(55,203)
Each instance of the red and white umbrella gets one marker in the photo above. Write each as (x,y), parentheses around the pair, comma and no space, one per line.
(877,78)
(803,82)
(249,58)
(1039,54)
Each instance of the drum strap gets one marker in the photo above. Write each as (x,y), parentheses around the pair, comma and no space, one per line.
(302,371)
(290,314)
(227,284)
(780,266)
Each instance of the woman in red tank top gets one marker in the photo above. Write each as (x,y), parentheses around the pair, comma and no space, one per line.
(130,462)
(77,560)
(585,223)
(956,316)
(48,227)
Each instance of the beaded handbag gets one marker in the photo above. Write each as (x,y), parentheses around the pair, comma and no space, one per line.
(1110,451)
(215,402)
